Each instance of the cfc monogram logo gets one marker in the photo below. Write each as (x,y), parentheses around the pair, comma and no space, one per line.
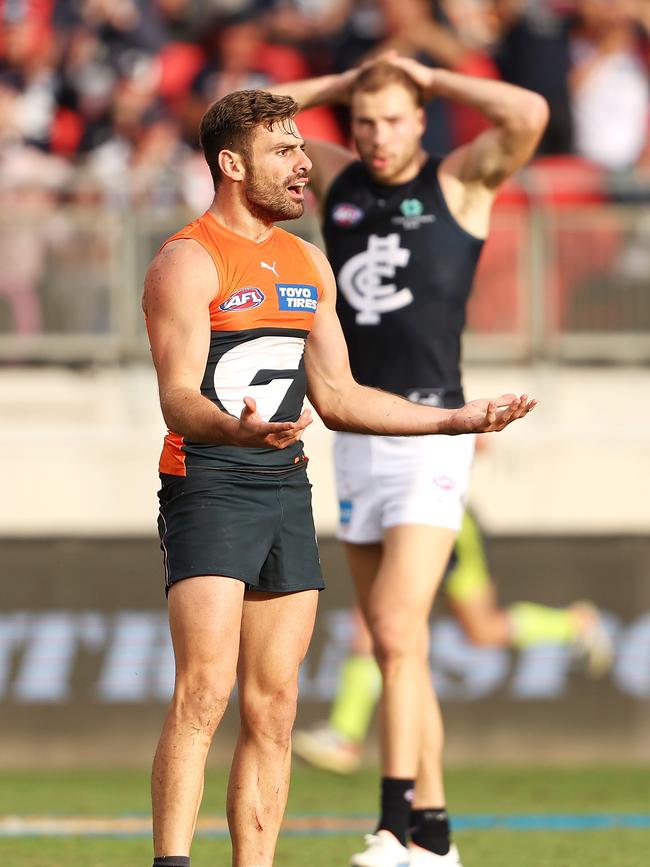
(360,279)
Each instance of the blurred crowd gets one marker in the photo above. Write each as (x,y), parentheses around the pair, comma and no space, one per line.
(115,88)
(100,99)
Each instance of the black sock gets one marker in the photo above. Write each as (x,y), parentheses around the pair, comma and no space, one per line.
(396,797)
(430,829)
(171,861)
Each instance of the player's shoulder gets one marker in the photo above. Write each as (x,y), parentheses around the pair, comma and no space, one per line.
(293,241)
(322,267)
(180,254)
(181,265)
(314,252)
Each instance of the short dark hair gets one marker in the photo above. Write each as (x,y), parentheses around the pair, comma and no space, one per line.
(229,123)
(379,75)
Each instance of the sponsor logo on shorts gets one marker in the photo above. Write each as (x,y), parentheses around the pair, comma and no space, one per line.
(444,482)
(297,296)
(347,214)
(345,512)
(244,299)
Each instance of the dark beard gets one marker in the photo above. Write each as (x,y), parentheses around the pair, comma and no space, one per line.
(269,204)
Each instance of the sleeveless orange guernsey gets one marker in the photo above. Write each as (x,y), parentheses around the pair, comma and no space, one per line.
(259,320)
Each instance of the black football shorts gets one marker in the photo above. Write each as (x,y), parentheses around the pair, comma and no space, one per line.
(259,530)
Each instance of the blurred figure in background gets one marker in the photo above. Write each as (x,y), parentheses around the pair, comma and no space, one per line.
(533,52)
(610,95)
(471,595)
(28,65)
(404,232)
(455,34)
(32,226)
(239,56)
(143,161)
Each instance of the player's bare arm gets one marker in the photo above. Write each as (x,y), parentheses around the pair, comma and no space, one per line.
(344,405)
(321,90)
(179,286)
(333,89)
(471,174)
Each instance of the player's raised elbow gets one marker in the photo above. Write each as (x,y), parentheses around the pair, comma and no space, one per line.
(532,114)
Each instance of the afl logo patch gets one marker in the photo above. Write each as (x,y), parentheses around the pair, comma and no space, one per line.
(244,299)
(346,214)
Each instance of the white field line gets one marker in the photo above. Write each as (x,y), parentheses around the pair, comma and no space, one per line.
(73,826)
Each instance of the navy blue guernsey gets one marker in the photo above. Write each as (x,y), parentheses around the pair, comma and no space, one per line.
(404,269)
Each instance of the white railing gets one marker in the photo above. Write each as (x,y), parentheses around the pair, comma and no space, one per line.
(554,284)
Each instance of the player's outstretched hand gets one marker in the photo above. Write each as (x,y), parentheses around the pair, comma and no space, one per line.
(253,431)
(490,414)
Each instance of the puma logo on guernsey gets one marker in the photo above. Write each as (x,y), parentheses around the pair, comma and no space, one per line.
(244,299)
(269,267)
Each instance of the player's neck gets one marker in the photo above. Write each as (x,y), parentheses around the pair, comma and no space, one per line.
(233,214)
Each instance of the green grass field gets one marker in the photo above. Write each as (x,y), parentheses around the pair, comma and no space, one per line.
(471,793)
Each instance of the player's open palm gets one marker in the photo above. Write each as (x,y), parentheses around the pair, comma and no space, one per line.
(253,431)
(490,414)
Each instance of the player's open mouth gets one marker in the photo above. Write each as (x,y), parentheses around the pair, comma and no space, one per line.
(297,190)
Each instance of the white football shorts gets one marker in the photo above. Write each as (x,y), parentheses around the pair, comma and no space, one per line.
(390,481)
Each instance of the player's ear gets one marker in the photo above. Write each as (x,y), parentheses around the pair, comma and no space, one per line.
(422,119)
(231,165)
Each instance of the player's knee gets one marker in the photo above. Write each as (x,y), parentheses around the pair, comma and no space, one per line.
(200,703)
(393,638)
(270,716)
